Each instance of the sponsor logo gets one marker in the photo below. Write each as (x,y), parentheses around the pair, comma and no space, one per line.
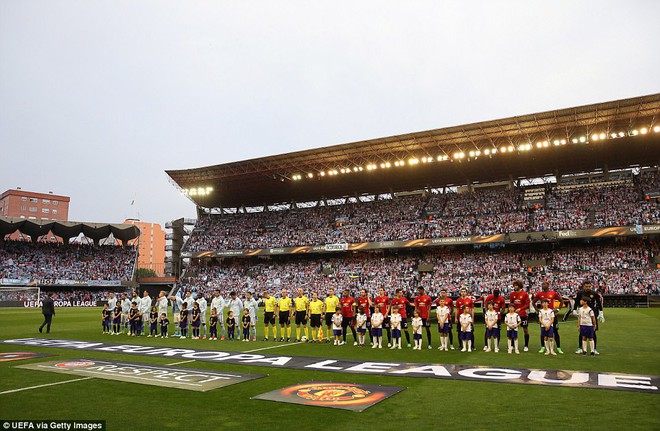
(230,253)
(82,364)
(567,233)
(277,250)
(60,303)
(335,247)
(452,240)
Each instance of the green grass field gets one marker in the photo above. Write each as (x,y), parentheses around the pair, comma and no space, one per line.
(627,343)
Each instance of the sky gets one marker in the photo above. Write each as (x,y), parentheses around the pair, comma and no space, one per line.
(99,98)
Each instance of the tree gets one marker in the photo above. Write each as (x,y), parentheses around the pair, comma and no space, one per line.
(145,273)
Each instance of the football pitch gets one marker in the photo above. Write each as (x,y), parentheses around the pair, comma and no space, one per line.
(627,343)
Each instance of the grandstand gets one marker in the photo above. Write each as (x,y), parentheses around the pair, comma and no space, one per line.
(81,269)
(539,196)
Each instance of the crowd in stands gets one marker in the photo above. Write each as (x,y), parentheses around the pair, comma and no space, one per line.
(435,215)
(616,267)
(47,262)
(649,181)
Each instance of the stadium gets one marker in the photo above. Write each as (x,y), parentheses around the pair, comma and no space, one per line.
(567,197)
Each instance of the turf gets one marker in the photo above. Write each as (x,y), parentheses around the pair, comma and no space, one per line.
(627,343)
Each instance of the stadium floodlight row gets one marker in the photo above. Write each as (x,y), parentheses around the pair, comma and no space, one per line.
(603,136)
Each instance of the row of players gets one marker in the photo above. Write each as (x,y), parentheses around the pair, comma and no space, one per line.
(302,309)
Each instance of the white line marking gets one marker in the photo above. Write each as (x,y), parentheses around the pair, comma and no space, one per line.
(182,362)
(271,347)
(43,386)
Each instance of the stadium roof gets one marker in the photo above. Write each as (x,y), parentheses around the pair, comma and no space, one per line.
(67,229)
(609,135)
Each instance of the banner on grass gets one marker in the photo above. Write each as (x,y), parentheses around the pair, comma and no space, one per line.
(180,378)
(21,356)
(356,397)
(562,378)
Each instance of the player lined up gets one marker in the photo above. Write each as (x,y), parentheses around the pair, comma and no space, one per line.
(389,317)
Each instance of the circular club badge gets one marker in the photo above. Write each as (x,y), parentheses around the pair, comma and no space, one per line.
(332,393)
(329,394)
(75,364)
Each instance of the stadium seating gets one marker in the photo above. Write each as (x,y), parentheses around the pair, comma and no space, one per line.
(485,211)
(55,263)
(617,267)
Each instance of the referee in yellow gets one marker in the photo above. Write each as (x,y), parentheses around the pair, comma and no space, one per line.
(302,309)
(331,303)
(315,312)
(270,304)
(284,307)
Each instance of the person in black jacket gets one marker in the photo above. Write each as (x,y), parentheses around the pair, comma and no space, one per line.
(48,310)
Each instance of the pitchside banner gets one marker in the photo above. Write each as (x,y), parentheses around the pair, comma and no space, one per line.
(164,376)
(564,378)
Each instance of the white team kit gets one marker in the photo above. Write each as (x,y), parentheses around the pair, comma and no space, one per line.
(443,313)
(336,322)
(491,318)
(466,321)
(361,321)
(512,319)
(585,316)
(395,321)
(546,316)
(376,320)
(417,323)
